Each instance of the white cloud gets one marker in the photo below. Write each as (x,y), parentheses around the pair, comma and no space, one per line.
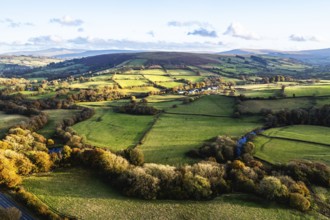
(235,29)
(151,33)
(189,24)
(15,24)
(67,21)
(45,40)
(303,38)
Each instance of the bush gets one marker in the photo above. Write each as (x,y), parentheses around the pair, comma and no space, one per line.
(271,188)
(196,186)
(11,213)
(41,160)
(8,175)
(299,202)
(138,183)
(135,156)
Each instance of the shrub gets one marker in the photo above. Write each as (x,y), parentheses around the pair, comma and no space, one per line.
(271,188)
(135,156)
(11,213)
(41,160)
(196,186)
(139,183)
(8,175)
(299,202)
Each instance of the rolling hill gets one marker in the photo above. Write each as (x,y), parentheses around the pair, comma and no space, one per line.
(225,65)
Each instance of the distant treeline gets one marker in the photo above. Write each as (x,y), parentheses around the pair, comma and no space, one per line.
(312,116)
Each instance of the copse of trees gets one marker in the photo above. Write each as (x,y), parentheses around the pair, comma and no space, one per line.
(312,116)
(138,108)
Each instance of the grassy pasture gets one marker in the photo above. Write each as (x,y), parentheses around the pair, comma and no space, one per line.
(8,120)
(128,77)
(155,78)
(113,130)
(313,90)
(255,106)
(282,151)
(92,84)
(192,79)
(181,72)
(139,90)
(94,199)
(309,133)
(54,117)
(173,135)
(153,72)
(170,84)
(132,83)
(207,105)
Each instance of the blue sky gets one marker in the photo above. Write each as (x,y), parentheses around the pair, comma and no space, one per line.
(179,25)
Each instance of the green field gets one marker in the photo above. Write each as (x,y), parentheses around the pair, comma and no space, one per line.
(113,130)
(192,79)
(319,90)
(94,199)
(181,72)
(207,105)
(92,84)
(276,150)
(8,120)
(54,117)
(128,77)
(174,135)
(132,83)
(170,84)
(308,133)
(155,78)
(255,106)
(153,72)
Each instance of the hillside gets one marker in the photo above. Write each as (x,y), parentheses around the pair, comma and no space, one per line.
(225,65)
(315,57)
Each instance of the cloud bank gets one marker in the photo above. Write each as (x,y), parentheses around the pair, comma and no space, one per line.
(237,30)
(67,21)
(204,33)
(302,38)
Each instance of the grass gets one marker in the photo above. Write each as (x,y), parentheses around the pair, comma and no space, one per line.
(93,199)
(181,72)
(255,106)
(282,151)
(173,135)
(92,84)
(309,133)
(192,79)
(9,120)
(113,130)
(153,72)
(128,77)
(54,117)
(170,84)
(155,78)
(319,90)
(132,83)
(207,105)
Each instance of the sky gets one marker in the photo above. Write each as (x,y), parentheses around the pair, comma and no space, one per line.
(164,25)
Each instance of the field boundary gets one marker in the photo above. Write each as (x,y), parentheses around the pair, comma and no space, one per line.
(291,139)
(147,131)
(192,114)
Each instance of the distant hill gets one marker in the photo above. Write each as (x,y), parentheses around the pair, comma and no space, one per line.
(321,56)
(63,53)
(211,64)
